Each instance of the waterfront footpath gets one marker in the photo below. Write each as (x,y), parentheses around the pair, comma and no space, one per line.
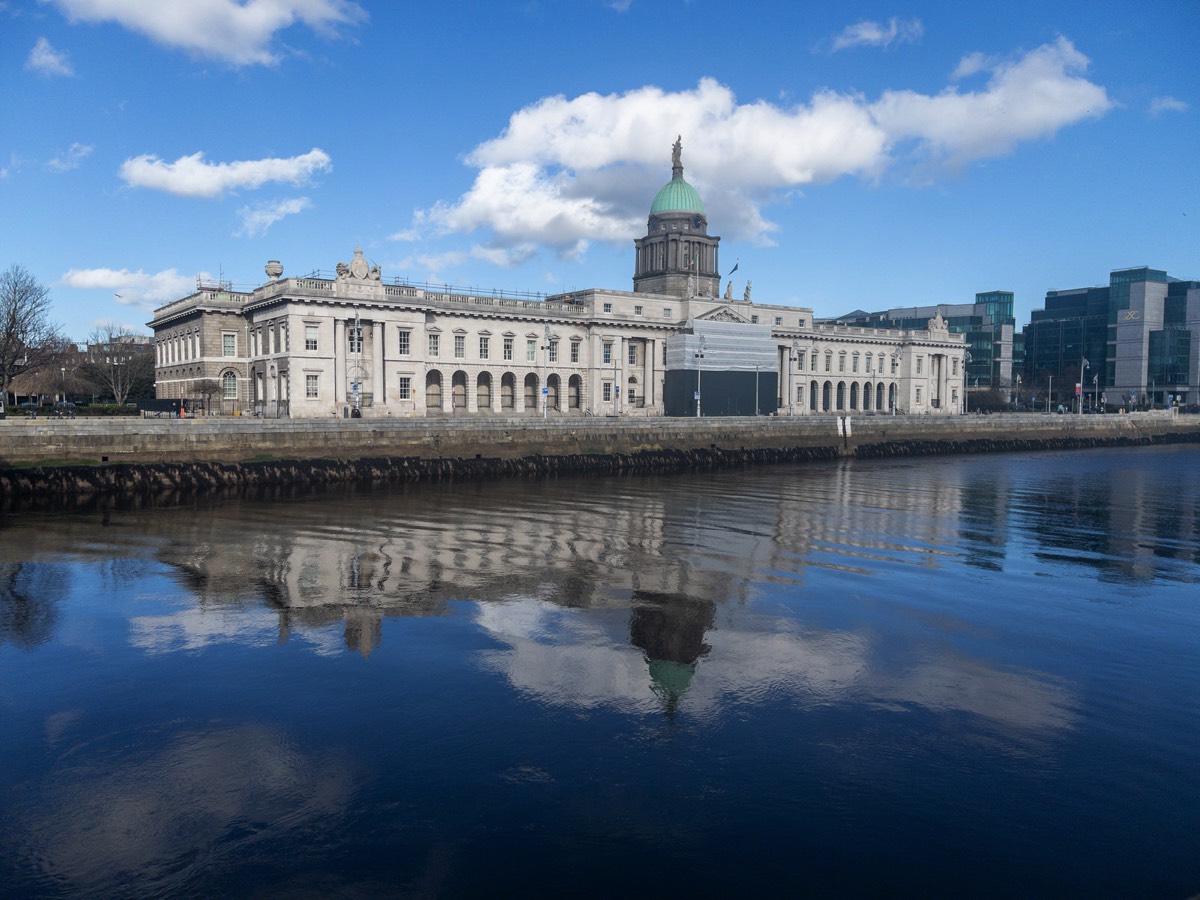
(87,457)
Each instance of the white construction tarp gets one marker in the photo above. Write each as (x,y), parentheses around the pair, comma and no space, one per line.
(728,347)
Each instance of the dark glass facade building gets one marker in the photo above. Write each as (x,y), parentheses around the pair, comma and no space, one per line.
(987,324)
(1132,343)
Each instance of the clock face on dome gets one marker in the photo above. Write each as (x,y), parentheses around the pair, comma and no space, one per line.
(696,222)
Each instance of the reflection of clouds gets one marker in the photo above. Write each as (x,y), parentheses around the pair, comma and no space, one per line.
(196,628)
(567,657)
(564,657)
(138,823)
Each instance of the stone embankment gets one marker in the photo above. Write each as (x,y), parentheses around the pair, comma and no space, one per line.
(77,459)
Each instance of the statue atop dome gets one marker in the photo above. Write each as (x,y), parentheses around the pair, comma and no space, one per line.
(677,158)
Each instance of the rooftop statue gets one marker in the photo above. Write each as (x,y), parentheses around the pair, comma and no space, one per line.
(677,152)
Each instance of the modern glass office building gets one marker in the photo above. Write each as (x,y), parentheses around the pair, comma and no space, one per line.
(1132,343)
(987,324)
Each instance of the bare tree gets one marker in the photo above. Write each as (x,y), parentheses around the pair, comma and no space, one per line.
(117,359)
(29,340)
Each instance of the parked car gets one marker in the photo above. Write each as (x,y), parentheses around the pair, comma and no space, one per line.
(31,408)
(64,409)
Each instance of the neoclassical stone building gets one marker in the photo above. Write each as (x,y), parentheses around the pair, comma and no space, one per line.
(353,343)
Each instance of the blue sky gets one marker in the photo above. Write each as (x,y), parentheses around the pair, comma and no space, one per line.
(855,155)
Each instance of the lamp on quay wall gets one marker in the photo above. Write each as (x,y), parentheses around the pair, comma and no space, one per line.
(545,368)
(1018,389)
(1049,393)
(966,383)
(1083,364)
(699,357)
(795,358)
(896,354)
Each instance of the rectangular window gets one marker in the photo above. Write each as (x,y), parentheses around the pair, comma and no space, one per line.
(404,348)
(842,362)
(666,312)
(918,396)
(779,320)
(435,344)
(229,344)
(870,359)
(954,366)
(484,347)
(404,389)
(895,364)
(854,363)
(354,339)
(312,385)
(828,362)
(460,346)
(554,351)
(508,348)
(530,350)
(607,391)
(637,310)
(920,362)
(607,357)
(754,320)
(800,359)
(310,337)
(633,354)
(574,351)
(608,307)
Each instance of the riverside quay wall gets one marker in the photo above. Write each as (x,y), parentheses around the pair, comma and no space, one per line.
(82,456)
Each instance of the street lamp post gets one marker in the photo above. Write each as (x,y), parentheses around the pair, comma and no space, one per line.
(64,383)
(1018,389)
(1095,390)
(896,354)
(1049,393)
(966,383)
(545,368)
(794,358)
(699,365)
(1083,364)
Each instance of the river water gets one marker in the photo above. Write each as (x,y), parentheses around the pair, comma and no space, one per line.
(960,676)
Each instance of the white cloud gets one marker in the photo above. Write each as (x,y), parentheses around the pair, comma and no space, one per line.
(45,60)
(874,34)
(134,288)
(239,32)
(1030,98)
(971,64)
(257,220)
(69,159)
(191,176)
(567,172)
(1167,104)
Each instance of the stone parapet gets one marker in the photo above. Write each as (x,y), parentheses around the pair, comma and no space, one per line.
(233,440)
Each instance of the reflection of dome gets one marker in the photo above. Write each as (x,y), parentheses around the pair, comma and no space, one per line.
(677,196)
(670,681)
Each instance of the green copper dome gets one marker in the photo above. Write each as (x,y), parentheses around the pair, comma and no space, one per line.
(677,196)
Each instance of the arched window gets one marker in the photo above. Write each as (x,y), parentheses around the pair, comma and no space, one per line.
(458,390)
(531,387)
(574,385)
(508,391)
(483,392)
(433,391)
(229,386)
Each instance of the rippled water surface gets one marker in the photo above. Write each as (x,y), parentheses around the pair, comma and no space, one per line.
(967,676)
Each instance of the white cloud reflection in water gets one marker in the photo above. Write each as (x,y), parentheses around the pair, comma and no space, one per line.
(573,658)
(135,821)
